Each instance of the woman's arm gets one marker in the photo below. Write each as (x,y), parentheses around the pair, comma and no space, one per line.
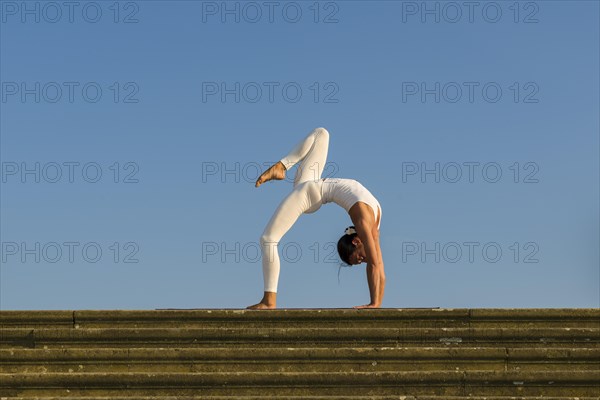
(375,268)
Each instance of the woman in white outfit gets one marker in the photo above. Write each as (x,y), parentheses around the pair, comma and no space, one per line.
(360,242)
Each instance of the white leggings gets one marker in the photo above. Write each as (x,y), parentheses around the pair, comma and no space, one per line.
(306,197)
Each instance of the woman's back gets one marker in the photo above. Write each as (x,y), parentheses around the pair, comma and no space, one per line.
(346,192)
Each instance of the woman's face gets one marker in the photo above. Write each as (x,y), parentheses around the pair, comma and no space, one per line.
(358,255)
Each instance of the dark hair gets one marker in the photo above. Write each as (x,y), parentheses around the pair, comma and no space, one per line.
(345,247)
(345,250)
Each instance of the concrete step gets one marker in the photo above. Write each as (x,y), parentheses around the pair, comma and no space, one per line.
(296,359)
(316,337)
(307,397)
(418,354)
(550,383)
(308,318)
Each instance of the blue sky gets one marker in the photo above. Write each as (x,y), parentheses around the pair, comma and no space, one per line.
(143,123)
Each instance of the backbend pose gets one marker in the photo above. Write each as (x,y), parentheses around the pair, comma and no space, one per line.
(359,243)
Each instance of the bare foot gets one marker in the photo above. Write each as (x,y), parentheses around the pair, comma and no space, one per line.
(275,171)
(260,306)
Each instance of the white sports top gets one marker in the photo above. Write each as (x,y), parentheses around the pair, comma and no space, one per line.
(346,192)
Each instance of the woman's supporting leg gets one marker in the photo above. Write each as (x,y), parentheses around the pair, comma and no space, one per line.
(311,153)
(289,210)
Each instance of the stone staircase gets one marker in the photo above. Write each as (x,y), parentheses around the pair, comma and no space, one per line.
(412,354)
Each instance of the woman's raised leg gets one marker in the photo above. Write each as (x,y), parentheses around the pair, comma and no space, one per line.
(311,153)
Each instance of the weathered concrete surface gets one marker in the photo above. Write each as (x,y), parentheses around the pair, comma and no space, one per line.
(317,397)
(359,359)
(332,317)
(423,354)
(333,397)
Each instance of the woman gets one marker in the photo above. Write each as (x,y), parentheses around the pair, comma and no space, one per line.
(359,243)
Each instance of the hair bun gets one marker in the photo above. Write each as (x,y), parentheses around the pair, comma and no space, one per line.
(350,230)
